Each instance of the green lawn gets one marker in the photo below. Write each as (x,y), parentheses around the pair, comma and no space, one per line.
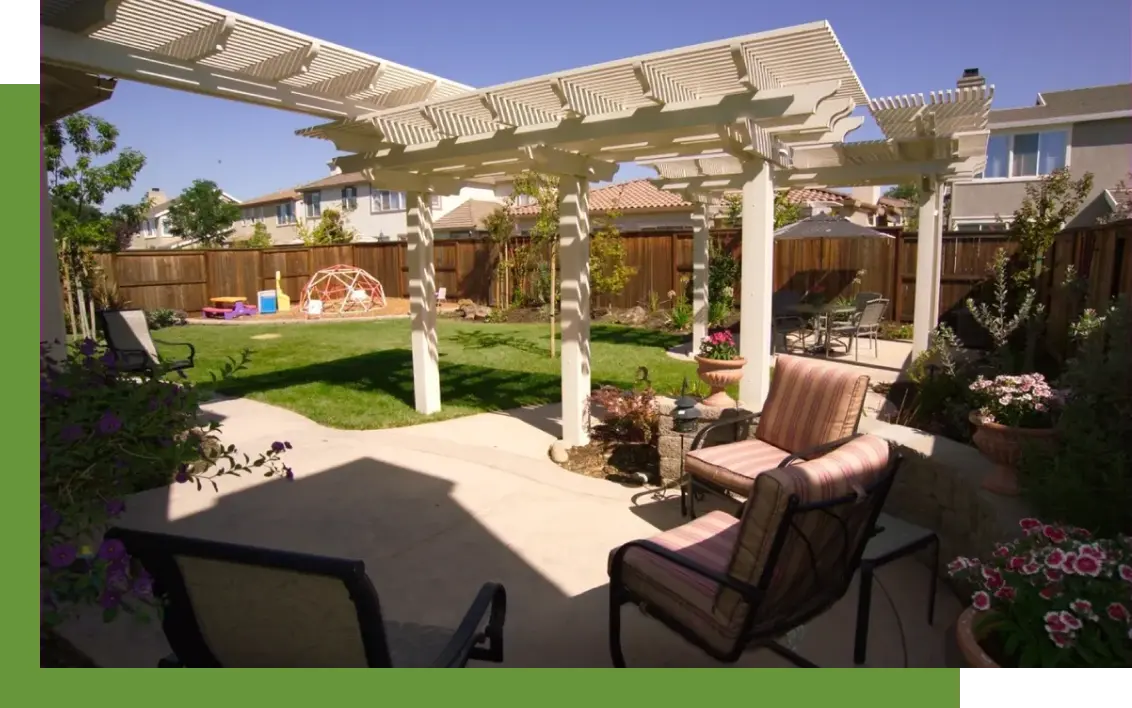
(359,375)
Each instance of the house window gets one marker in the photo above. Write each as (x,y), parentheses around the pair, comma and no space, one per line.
(285,213)
(525,200)
(147,229)
(384,200)
(434,201)
(1025,154)
(312,201)
(349,198)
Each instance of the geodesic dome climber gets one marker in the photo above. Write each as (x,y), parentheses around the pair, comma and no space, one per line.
(341,289)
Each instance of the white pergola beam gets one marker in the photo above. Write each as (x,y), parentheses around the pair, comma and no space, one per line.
(288,65)
(85,16)
(205,42)
(411,182)
(708,113)
(422,303)
(571,163)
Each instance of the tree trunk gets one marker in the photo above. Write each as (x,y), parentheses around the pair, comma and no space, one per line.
(68,294)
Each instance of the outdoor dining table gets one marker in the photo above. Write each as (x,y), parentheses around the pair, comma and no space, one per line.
(815,312)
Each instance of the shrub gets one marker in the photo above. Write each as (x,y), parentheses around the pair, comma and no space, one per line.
(163,317)
(1055,597)
(680,316)
(723,275)
(106,434)
(629,415)
(1086,479)
(718,312)
(896,330)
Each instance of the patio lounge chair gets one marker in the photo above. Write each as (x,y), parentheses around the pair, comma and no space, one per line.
(237,606)
(127,335)
(728,584)
(813,406)
(865,323)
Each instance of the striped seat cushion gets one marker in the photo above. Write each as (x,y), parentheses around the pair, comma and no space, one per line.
(680,593)
(734,466)
(811,403)
(816,551)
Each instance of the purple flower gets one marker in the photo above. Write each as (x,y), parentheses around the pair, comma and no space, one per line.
(49,519)
(116,580)
(278,446)
(88,347)
(143,585)
(109,423)
(115,507)
(109,600)
(182,475)
(61,555)
(289,473)
(108,359)
(286,444)
(112,550)
(71,433)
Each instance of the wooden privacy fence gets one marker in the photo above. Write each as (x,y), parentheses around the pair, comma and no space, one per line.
(467,268)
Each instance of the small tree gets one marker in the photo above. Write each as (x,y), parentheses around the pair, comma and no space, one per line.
(500,227)
(909,192)
(544,234)
(202,214)
(785,211)
(1048,206)
(333,228)
(996,319)
(609,274)
(732,209)
(260,237)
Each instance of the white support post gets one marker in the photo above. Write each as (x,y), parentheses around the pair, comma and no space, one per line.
(701,235)
(937,252)
(52,325)
(927,269)
(758,286)
(574,256)
(422,303)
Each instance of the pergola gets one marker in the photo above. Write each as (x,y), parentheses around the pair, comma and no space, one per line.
(748,112)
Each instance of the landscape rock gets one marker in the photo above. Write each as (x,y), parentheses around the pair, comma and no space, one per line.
(633,316)
(559,453)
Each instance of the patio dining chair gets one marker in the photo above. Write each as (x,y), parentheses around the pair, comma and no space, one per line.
(729,584)
(228,605)
(812,406)
(787,324)
(865,323)
(127,336)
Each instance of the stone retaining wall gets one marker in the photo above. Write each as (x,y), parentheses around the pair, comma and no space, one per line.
(938,486)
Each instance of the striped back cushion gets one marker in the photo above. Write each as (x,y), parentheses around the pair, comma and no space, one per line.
(810,403)
(816,557)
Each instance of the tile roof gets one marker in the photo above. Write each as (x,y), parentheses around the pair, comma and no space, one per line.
(637,195)
(341,179)
(282,195)
(1070,103)
(805,196)
(469,216)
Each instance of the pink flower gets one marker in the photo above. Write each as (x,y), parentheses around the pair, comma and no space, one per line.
(1069,565)
(1125,572)
(1049,592)
(1001,552)
(1117,612)
(1080,533)
(1061,639)
(1053,574)
(1054,534)
(1071,621)
(1005,593)
(1055,622)
(957,565)
(980,600)
(1055,558)
(1016,563)
(1092,551)
(1030,568)
(994,582)
(1082,607)
(1086,565)
(1030,524)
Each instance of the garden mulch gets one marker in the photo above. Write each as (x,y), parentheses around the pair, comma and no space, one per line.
(615,460)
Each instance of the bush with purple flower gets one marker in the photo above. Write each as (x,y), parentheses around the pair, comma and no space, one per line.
(106,434)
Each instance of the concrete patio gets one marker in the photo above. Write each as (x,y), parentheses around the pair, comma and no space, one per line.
(437,509)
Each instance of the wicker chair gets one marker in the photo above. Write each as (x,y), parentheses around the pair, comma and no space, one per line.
(812,407)
(238,606)
(727,584)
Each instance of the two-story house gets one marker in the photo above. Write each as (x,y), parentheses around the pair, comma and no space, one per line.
(1086,130)
(154,231)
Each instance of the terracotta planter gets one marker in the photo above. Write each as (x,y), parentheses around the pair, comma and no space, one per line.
(718,375)
(1003,445)
(974,655)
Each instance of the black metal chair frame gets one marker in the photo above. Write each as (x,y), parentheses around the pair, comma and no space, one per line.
(620,595)
(144,360)
(157,552)
(692,488)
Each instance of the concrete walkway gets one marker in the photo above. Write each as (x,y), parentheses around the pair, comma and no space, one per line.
(437,509)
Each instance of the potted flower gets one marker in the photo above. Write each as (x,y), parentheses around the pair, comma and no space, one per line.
(1054,598)
(1012,412)
(720,366)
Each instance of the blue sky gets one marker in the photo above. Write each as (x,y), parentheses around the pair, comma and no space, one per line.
(1021,47)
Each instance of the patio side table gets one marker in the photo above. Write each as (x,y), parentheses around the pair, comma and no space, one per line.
(892,540)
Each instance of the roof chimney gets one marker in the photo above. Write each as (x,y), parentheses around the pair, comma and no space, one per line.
(156,196)
(970,79)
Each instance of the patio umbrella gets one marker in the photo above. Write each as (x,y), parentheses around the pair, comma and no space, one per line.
(826,226)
